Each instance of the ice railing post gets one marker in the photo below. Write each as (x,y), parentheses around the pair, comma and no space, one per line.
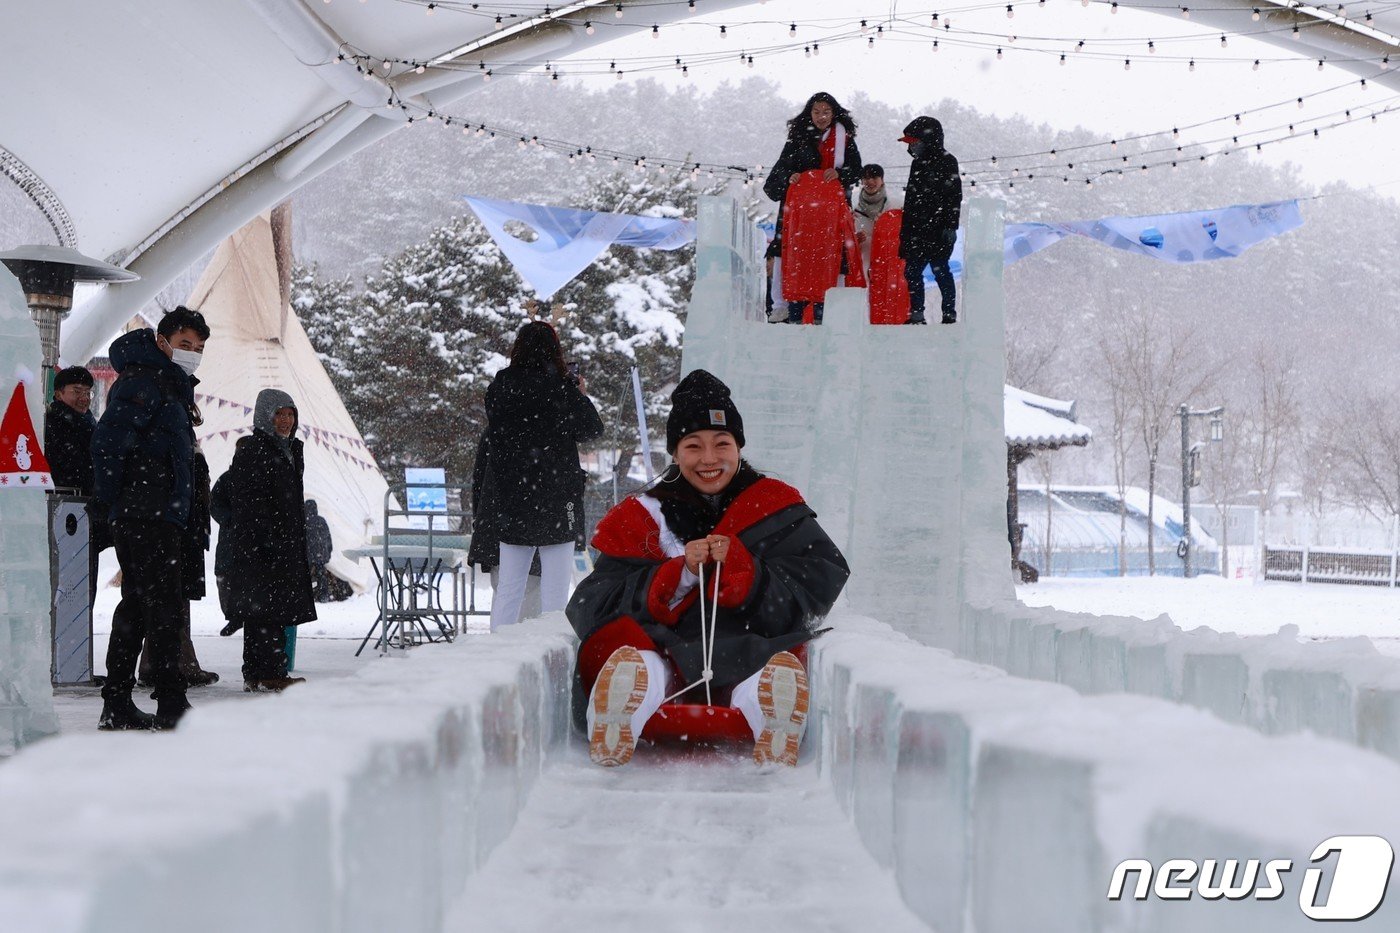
(985,571)
(26,694)
(729,281)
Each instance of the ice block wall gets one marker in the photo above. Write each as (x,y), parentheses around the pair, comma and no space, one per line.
(1003,805)
(893,434)
(26,697)
(357,804)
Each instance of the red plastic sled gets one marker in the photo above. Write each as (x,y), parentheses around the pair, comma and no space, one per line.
(701,724)
(889,293)
(818,229)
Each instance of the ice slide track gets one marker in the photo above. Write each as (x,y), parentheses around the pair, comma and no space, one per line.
(681,840)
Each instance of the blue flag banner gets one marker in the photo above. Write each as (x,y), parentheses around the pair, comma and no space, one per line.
(1191,236)
(567,240)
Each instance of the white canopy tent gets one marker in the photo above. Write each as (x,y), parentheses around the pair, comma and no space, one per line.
(257,343)
(149,130)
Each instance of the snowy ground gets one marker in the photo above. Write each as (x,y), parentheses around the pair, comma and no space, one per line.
(325,648)
(680,841)
(1320,610)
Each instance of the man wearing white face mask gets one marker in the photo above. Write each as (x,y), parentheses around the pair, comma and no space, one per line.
(143,453)
(184,332)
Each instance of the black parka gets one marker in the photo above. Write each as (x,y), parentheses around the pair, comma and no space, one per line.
(932,204)
(68,446)
(143,446)
(268,576)
(782,577)
(532,488)
(804,154)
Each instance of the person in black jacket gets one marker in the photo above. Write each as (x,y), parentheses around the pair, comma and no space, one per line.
(536,413)
(269,579)
(319,550)
(187,331)
(143,466)
(750,542)
(68,427)
(821,136)
(932,207)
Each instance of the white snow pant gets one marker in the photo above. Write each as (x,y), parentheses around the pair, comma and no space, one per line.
(659,686)
(556,571)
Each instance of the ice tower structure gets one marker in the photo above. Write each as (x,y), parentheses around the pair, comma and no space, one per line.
(894,435)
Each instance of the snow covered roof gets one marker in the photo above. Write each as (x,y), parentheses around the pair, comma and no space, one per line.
(147,131)
(1036,422)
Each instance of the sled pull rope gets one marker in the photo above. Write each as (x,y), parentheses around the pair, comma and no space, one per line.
(708,625)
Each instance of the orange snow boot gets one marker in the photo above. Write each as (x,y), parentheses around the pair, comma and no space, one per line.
(783,696)
(617,694)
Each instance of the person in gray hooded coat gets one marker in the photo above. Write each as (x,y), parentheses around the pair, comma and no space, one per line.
(269,579)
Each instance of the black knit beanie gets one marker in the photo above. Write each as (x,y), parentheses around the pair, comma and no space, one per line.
(702,403)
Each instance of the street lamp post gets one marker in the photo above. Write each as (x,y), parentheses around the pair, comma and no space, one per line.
(1190,454)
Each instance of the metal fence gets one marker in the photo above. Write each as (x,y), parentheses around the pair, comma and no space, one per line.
(1330,565)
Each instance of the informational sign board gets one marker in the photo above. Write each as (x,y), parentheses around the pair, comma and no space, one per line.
(426,492)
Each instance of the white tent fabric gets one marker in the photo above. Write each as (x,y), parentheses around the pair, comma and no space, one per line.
(256,342)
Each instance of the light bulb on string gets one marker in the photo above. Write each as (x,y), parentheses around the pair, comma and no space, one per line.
(724,32)
(1191,65)
(1256,64)
(792,31)
(806,51)
(817,49)
(1297,33)
(618,12)
(1319,64)
(1224,42)
(487,76)
(1151,47)
(501,23)
(1255,15)
(656,32)
(387,64)
(1010,12)
(432,8)
(750,62)
(421,68)
(1113,8)
(588,28)
(1127,64)
(1186,12)
(864,27)
(998,54)
(870,44)
(1064,59)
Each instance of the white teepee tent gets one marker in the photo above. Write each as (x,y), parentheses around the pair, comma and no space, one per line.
(256,342)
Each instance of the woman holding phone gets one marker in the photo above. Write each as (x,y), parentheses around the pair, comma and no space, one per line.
(536,413)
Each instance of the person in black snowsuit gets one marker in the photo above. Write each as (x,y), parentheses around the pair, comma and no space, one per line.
(821,136)
(932,208)
(143,466)
(68,427)
(268,577)
(319,549)
(750,541)
(536,414)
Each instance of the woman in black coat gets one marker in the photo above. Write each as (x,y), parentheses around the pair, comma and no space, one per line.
(821,136)
(536,413)
(269,580)
(711,522)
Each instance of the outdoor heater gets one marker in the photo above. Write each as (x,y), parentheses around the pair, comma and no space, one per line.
(47,274)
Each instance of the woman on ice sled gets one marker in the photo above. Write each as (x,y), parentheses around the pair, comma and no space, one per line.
(714,567)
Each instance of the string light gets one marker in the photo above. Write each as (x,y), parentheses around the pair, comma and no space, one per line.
(587,27)
(501,23)
(1010,13)
(618,12)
